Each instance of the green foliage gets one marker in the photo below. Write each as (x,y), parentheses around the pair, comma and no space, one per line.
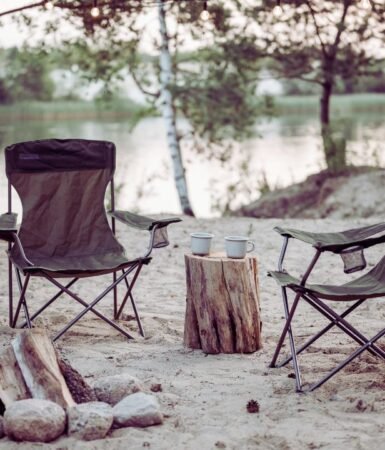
(218,106)
(210,85)
(213,86)
(26,75)
(5,94)
(92,62)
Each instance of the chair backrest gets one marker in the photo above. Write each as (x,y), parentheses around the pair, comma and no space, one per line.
(62,185)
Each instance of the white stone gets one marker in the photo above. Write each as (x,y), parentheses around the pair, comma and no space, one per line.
(114,388)
(34,420)
(137,410)
(89,421)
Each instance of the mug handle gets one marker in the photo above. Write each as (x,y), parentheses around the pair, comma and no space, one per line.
(251,243)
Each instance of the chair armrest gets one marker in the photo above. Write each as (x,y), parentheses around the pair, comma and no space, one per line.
(336,242)
(8,226)
(157,228)
(142,222)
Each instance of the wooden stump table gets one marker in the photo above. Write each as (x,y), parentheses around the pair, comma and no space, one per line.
(222,306)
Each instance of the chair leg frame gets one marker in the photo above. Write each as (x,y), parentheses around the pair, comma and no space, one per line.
(289,314)
(129,294)
(341,323)
(22,302)
(10,288)
(334,322)
(24,299)
(335,319)
(49,302)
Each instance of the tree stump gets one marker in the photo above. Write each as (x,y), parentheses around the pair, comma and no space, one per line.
(222,309)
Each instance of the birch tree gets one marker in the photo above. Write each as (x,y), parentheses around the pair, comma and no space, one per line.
(111,33)
(213,95)
(169,114)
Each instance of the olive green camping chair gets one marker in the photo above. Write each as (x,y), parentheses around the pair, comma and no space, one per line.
(65,233)
(350,246)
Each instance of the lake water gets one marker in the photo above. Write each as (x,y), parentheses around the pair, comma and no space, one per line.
(284,150)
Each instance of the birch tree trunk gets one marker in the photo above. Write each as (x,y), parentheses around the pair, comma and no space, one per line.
(168,112)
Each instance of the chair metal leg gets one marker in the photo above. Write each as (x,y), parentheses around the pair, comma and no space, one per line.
(289,316)
(45,306)
(90,306)
(343,325)
(340,322)
(287,329)
(347,361)
(324,330)
(129,286)
(128,294)
(25,307)
(115,296)
(10,288)
(139,322)
(21,300)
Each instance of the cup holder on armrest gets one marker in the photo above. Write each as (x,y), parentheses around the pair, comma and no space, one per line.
(353,259)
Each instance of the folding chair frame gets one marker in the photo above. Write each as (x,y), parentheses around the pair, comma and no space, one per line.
(135,269)
(335,319)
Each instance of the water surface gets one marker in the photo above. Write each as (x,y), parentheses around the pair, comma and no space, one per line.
(284,150)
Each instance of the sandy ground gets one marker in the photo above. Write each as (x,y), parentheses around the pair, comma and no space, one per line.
(204,396)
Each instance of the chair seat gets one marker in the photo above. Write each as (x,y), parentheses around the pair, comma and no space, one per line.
(369,285)
(77,265)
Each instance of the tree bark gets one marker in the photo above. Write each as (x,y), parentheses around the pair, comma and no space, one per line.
(168,112)
(12,384)
(222,309)
(334,143)
(32,367)
(36,358)
(327,89)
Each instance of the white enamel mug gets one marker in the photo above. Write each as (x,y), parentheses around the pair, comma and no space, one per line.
(200,243)
(238,246)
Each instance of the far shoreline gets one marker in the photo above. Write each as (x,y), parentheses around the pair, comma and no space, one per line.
(62,109)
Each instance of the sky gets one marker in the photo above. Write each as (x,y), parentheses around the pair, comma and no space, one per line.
(10,34)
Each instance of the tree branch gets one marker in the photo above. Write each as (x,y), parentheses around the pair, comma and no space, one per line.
(141,88)
(317,28)
(22,8)
(340,28)
(58,4)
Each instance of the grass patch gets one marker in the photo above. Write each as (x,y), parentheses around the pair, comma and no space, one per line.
(73,110)
(126,108)
(340,103)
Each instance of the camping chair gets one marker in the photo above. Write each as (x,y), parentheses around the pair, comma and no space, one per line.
(350,245)
(64,232)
